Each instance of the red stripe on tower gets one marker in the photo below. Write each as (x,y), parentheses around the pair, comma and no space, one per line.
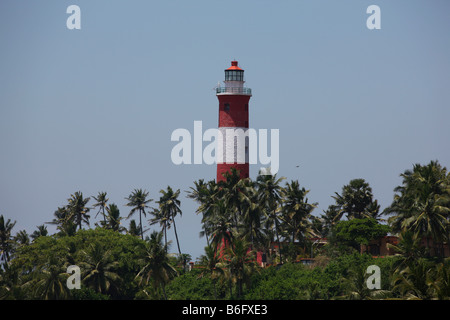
(232,143)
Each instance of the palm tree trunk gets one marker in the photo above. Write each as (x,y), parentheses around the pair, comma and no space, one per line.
(235,218)
(278,238)
(165,235)
(293,236)
(251,234)
(164,291)
(215,290)
(140,222)
(239,288)
(207,237)
(176,236)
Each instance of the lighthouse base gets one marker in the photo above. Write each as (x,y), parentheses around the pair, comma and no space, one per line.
(242,168)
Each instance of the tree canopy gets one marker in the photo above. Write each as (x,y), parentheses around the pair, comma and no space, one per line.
(244,222)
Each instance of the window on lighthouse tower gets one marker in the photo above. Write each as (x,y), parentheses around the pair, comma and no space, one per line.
(227,107)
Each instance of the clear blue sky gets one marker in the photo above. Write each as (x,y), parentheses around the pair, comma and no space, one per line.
(93,109)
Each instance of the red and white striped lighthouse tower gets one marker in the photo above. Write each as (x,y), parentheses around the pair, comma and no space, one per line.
(232,150)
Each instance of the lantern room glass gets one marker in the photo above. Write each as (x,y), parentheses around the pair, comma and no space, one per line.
(234,75)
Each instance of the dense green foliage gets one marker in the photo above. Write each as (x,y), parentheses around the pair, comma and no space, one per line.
(357,232)
(102,252)
(240,218)
(340,278)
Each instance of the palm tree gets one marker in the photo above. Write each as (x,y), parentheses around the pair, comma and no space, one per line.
(22,238)
(99,271)
(206,195)
(270,195)
(422,203)
(139,202)
(162,219)
(156,266)
(423,280)
(240,262)
(203,194)
(220,226)
(77,209)
(40,232)
(113,218)
(408,250)
(6,241)
(134,229)
(68,229)
(169,207)
(50,279)
(10,282)
(254,216)
(328,220)
(356,201)
(441,286)
(211,266)
(65,226)
(356,287)
(233,191)
(415,281)
(101,202)
(297,211)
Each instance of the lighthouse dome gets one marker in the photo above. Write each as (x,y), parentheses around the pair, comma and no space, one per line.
(234,73)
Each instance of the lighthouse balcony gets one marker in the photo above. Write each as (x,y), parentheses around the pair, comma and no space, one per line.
(234,90)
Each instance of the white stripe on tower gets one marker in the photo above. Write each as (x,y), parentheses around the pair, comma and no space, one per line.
(232,145)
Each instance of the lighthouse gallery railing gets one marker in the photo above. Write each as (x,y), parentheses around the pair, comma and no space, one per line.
(236,90)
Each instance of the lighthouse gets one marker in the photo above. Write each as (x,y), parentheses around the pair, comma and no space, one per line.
(233,142)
